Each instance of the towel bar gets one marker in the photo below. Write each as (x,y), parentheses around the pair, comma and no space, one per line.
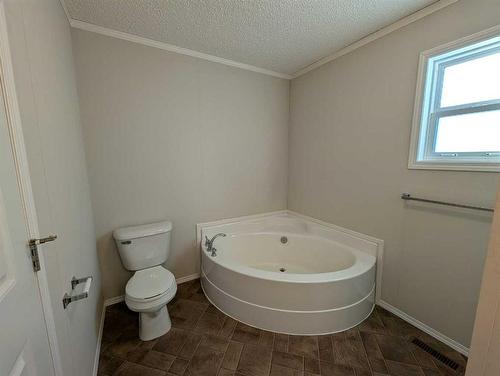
(408,197)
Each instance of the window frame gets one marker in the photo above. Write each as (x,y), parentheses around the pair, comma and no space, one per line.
(427,110)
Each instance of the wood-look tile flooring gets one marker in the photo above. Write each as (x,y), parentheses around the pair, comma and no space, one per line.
(204,341)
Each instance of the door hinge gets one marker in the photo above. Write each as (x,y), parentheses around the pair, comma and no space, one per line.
(33,244)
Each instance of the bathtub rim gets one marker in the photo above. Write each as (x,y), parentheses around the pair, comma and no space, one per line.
(379,243)
(359,267)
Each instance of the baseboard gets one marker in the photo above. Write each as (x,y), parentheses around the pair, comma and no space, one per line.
(114,300)
(425,328)
(187,278)
(99,340)
(121,298)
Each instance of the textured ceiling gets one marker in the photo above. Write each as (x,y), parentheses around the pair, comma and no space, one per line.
(279,35)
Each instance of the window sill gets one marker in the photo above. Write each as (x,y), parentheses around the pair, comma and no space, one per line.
(454,166)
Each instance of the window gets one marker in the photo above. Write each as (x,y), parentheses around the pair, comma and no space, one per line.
(456,124)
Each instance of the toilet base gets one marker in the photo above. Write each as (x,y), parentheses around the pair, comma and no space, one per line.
(154,324)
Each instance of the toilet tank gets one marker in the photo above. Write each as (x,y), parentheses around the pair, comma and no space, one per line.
(143,246)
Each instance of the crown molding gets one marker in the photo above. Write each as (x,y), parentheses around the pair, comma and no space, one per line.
(424,12)
(200,55)
(172,48)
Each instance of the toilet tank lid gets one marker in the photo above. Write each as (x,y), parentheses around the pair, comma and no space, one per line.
(134,232)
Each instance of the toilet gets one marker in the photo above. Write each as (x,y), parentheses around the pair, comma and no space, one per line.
(143,249)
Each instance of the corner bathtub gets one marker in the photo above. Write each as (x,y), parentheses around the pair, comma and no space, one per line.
(291,274)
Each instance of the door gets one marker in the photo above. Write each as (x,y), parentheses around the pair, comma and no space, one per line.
(24,345)
(484,357)
(39,37)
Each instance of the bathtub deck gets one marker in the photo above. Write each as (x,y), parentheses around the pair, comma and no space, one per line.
(205,342)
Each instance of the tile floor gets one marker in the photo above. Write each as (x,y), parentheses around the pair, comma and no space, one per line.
(203,341)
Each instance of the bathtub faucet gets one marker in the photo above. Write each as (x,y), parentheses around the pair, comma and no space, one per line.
(209,243)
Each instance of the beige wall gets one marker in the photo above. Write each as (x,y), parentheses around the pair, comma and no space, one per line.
(173,137)
(40,42)
(349,140)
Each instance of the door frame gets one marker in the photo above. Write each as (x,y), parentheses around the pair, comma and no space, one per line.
(19,153)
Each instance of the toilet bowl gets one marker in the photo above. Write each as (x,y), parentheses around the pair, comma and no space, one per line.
(148,292)
(143,249)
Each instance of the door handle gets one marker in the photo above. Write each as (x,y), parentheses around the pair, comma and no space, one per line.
(33,244)
(39,241)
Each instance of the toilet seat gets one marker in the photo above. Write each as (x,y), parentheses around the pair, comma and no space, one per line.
(149,289)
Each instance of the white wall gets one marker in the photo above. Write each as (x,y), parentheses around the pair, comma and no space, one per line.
(349,140)
(40,42)
(172,137)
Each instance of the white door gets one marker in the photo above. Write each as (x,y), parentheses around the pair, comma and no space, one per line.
(484,359)
(24,346)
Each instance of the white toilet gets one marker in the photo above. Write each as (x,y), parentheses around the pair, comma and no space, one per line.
(143,249)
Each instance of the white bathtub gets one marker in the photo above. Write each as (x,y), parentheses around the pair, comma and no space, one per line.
(320,279)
